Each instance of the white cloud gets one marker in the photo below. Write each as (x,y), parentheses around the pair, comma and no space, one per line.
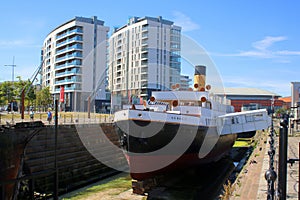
(11,42)
(16,43)
(260,54)
(185,22)
(268,41)
(263,49)
(287,52)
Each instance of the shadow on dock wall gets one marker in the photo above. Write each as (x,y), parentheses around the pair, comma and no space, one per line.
(76,166)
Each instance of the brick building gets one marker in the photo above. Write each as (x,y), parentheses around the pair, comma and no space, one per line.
(251,98)
(286,102)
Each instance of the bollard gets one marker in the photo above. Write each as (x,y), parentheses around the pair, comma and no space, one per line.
(282,171)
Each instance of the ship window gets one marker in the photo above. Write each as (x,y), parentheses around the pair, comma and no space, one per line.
(258,117)
(226,121)
(249,118)
(234,120)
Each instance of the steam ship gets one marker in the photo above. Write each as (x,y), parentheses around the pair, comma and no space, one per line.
(176,129)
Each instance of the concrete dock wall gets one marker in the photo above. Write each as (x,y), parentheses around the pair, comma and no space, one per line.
(76,165)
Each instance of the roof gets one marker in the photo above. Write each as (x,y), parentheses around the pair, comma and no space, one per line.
(286,99)
(91,20)
(134,20)
(245,92)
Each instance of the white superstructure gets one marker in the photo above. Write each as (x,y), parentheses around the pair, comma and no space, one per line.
(196,109)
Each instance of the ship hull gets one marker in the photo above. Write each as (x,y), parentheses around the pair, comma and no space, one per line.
(155,147)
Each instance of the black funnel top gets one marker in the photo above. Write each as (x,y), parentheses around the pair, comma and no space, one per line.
(200,70)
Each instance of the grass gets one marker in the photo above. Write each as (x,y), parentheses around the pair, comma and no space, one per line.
(242,142)
(122,183)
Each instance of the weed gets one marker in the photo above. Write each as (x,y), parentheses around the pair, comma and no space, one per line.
(227,191)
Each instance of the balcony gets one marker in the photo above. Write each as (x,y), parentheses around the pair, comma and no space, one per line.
(69,80)
(145,35)
(144,49)
(144,62)
(69,48)
(144,56)
(69,72)
(76,38)
(68,88)
(68,64)
(145,28)
(69,32)
(144,84)
(73,55)
(144,70)
(144,42)
(144,77)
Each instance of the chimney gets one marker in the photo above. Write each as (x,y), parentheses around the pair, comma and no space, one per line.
(199,78)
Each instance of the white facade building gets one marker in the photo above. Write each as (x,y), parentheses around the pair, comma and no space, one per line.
(74,57)
(295,100)
(185,82)
(144,56)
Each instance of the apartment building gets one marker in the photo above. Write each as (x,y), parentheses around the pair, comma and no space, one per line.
(144,56)
(185,82)
(74,60)
(295,99)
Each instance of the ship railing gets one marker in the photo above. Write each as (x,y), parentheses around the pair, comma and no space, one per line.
(63,118)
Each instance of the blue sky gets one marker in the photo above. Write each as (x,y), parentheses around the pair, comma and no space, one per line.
(252,43)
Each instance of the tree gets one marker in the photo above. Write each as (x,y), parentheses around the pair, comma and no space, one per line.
(43,98)
(6,92)
(280,112)
(12,92)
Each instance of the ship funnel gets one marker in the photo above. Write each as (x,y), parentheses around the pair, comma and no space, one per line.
(199,77)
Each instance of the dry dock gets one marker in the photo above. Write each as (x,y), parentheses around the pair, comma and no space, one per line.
(250,183)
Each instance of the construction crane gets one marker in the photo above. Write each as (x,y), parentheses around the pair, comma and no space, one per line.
(26,90)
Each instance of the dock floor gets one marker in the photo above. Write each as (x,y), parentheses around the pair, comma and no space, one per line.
(251,183)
